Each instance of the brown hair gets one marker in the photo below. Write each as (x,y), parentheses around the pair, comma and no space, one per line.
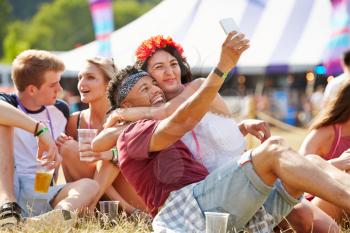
(106,65)
(186,75)
(115,83)
(29,68)
(336,111)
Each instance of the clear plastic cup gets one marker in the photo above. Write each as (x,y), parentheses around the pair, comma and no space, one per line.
(216,222)
(42,180)
(85,136)
(109,211)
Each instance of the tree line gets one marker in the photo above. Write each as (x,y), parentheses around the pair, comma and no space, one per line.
(56,25)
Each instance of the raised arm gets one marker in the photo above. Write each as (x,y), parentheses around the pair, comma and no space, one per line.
(193,109)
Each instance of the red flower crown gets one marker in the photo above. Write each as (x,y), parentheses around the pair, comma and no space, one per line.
(149,46)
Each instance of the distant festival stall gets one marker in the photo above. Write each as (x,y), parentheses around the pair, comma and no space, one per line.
(340,36)
(102,17)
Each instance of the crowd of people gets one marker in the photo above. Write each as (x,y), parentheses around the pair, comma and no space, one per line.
(166,147)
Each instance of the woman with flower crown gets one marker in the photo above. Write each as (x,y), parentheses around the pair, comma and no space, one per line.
(163,59)
(92,84)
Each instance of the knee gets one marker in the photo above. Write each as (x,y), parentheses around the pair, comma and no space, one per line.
(69,149)
(88,186)
(301,219)
(273,147)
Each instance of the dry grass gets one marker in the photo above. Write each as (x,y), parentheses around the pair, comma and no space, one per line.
(294,138)
(88,224)
(141,224)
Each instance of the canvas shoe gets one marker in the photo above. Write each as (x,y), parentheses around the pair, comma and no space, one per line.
(10,215)
(55,217)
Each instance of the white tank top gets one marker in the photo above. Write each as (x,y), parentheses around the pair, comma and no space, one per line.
(219,140)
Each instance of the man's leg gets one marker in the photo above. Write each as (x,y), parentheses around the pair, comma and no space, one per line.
(243,188)
(274,158)
(76,196)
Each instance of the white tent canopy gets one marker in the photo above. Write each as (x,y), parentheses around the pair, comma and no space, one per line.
(287,33)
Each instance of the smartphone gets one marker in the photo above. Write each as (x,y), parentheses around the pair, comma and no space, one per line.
(229,25)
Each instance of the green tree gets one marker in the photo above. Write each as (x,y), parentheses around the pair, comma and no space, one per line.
(64,24)
(126,11)
(14,42)
(24,9)
(5,17)
(61,25)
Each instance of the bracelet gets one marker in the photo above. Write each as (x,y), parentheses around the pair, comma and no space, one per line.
(115,156)
(40,132)
(219,73)
(36,127)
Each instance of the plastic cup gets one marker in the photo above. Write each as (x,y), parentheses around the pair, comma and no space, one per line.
(109,211)
(216,222)
(42,180)
(85,136)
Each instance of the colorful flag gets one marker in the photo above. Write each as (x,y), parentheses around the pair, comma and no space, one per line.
(340,36)
(102,17)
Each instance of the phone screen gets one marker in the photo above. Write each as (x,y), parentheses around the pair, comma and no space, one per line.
(229,25)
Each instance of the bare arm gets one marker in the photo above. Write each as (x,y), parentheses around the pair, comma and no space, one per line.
(71,128)
(318,142)
(12,117)
(193,109)
(161,112)
(107,139)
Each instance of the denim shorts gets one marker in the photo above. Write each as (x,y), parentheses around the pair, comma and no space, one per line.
(235,188)
(31,202)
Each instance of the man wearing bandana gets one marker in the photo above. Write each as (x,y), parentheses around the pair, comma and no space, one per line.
(177,189)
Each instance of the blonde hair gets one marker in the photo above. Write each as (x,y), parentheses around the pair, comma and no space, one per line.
(106,65)
(29,68)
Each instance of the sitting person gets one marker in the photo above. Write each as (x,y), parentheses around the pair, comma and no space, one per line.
(93,80)
(211,140)
(329,138)
(10,211)
(165,62)
(144,148)
(36,75)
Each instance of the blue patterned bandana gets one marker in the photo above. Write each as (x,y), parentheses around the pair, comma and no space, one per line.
(128,83)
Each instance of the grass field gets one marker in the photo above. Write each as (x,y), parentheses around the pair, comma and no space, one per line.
(139,224)
(294,138)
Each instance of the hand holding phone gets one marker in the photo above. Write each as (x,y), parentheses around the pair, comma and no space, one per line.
(229,25)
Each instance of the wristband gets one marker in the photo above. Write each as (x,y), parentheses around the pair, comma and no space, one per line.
(219,73)
(40,132)
(115,156)
(36,127)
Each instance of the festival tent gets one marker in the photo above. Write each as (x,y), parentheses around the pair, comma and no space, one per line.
(286,36)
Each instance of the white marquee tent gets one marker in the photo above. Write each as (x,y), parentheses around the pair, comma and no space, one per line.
(287,34)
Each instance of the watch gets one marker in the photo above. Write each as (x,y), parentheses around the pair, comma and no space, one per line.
(219,73)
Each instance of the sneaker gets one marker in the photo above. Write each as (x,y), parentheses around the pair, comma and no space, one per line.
(56,217)
(10,214)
